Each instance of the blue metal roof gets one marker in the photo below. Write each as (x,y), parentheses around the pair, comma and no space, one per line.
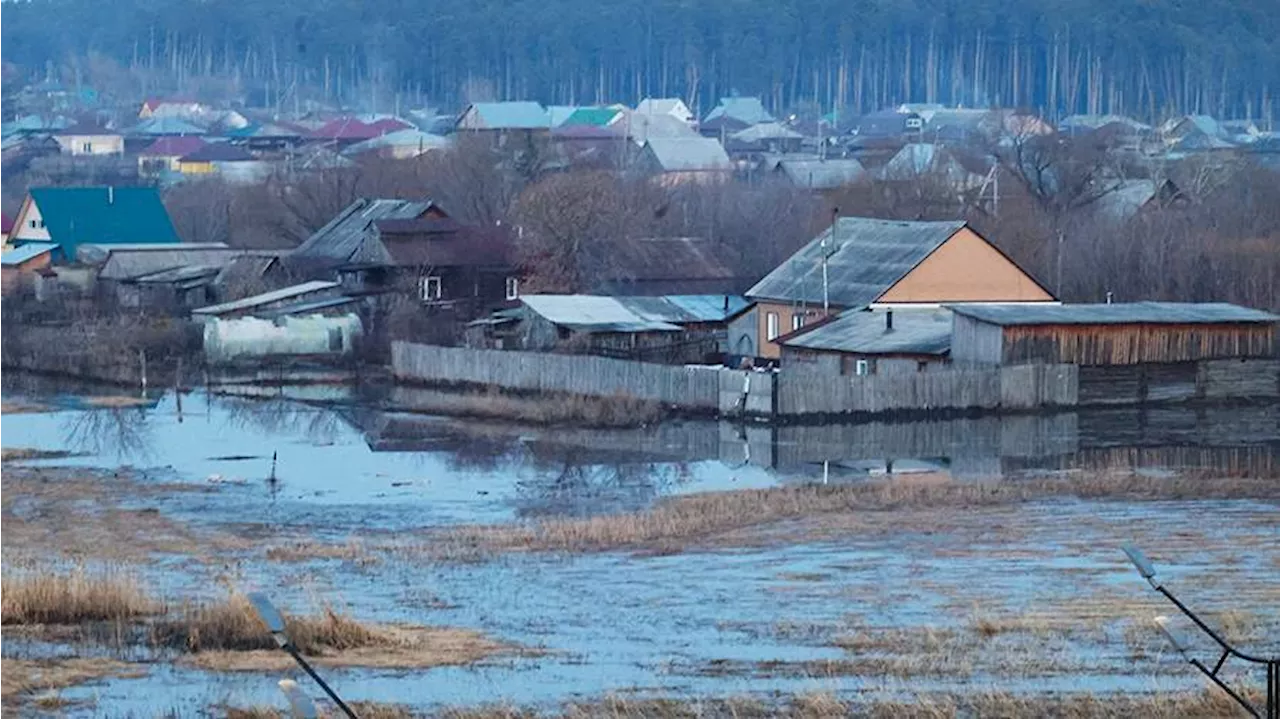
(26,252)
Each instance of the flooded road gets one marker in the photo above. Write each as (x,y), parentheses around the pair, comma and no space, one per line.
(758,617)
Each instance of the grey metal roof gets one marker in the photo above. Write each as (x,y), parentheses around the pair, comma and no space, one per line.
(1126,313)
(749,110)
(689,154)
(302,308)
(266,298)
(921,332)
(766,131)
(29,251)
(179,275)
(521,115)
(865,258)
(592,313)
(681,309)
(1126,199)
(96,253)
(133,264)
(822,174)
(340,238)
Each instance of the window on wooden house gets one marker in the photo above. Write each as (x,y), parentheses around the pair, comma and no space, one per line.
(87,147)
(430,288)
(862,368)
(770,325)
(513,288)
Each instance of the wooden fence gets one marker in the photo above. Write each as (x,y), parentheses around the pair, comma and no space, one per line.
(1023,387)
(695,388)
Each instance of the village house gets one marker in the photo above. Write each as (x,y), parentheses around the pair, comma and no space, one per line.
(819,173)
(89,140)
(22,266)
(864,342)
(230,162)
(653,266)
(163,155)
(349,130)
(672,107)
(147,130)
(158,277)
(505,119)
(171,107)
(72,216)
(862,262)
(767,137)
(889,124)
(398,145)
(679,160)
(674,329)
(413,248)
(734,114)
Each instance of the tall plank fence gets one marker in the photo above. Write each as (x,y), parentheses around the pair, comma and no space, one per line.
(1023,387)
(690,387)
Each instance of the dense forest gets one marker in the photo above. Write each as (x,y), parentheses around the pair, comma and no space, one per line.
(1148,58)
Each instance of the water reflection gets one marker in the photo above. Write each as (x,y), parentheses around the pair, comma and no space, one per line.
(122,432)
(425,469)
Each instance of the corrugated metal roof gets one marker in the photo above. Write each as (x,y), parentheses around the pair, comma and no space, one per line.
(749,110)
(107,215)
(923,332)
(338,241)
(557,114)
(180,274)
(219,152)
(302,308)
(510,116)
(865,258)
(266,298)
(1126,313)
(92,253)
(413,138)
(689,154)
(1126,199)
(767,131)
(685,309)
(133,264)
(166,125)
(643,128)
(822,174)
(593,116)
(26,252)
(591,313)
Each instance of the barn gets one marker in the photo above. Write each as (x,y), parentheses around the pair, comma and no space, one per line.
(1141,351)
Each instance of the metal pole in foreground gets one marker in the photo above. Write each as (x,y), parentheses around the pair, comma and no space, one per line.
(275,622)
(1148,572)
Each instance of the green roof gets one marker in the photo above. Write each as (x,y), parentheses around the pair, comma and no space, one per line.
(595,116)
(102,215)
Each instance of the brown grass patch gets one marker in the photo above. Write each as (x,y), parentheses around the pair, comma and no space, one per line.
(26,677)
(229,636)
(822,705)
(16,454)
(364,710)
(697,517)
(43,597)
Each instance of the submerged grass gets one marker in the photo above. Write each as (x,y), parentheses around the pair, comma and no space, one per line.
(26,677)
(680,520)
(618,410)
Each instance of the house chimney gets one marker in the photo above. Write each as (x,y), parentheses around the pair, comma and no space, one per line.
(111,195)
(888,321)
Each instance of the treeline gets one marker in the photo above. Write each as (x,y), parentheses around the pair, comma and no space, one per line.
(1148,59)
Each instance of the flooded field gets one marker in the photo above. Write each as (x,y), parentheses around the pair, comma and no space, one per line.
(446,563)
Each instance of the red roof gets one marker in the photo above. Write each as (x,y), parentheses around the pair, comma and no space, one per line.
(6,223)
(173,146)
(353,128)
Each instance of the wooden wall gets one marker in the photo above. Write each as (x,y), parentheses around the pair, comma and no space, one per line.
(1136,344)
(1180,381)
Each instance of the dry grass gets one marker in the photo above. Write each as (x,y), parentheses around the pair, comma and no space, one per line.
(229,636)
(819,705)
(44,597)
(9,406)
(690,518)
(15,454)
(24,677)
(364,710)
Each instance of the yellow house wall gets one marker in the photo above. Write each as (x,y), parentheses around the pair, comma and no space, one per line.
(786,313)
(965,269)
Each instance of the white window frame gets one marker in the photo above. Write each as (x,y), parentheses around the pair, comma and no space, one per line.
(797,321)
(861,367)
(513,288)
(430,288)
(771,326)
(87,148)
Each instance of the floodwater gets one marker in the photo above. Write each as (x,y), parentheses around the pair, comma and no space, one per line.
(662,625)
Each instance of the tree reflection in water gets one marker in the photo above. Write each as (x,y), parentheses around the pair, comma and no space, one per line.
(122,432)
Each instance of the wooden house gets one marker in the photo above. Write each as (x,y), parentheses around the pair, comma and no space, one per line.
(863,262)
(866,342)
(72,216)
(89,140)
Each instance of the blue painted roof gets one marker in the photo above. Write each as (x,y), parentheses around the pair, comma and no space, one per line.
(26,252)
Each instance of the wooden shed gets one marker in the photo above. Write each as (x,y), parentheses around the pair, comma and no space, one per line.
(1110,334)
